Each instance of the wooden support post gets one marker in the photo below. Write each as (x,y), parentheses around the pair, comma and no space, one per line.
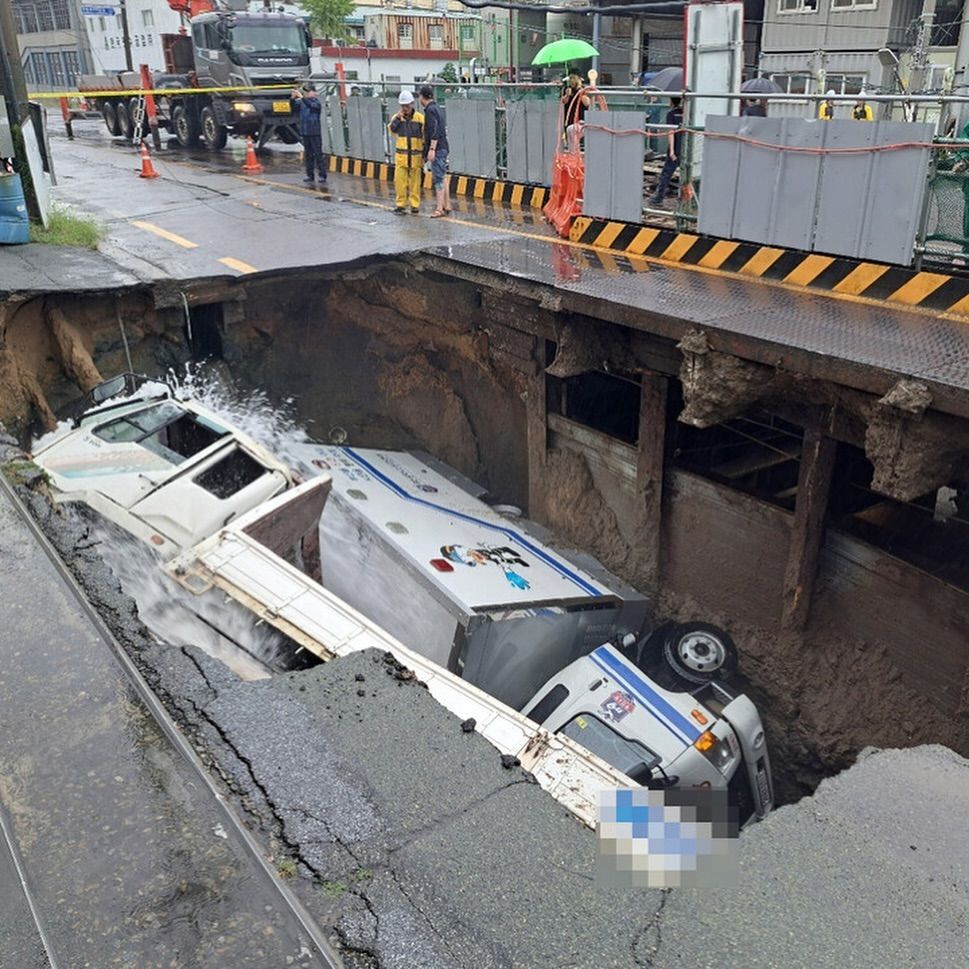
(536,436)
(649,476)
(807,531)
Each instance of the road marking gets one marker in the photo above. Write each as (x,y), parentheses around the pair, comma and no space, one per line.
(165,234)
(238,264)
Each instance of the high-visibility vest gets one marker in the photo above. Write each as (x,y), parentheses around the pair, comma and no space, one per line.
(826,110)
(409,146)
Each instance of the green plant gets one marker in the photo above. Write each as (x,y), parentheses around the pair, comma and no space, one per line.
(448,73)
(333,889)
(286,868)
(66,229)
(20,472)
(328,17)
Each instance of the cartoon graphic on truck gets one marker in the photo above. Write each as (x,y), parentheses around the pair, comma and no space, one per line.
(505,558)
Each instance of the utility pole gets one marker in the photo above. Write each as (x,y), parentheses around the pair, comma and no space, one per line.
(14,91)
(920,52)
(636,53)
(596,25)
(125,36)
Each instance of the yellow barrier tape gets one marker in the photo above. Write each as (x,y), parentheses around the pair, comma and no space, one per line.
(157,92)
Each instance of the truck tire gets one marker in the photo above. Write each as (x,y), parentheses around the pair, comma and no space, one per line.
(214,135)
(110,118)
(699,652)
(287,134)
(124,120)
(185,126)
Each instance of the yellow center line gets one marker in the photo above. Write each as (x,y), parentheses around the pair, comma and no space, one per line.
(688,267)
(238,264)
(165,234)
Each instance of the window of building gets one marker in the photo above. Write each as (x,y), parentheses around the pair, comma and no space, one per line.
(945,27)
(72,66)
(853,4)
(45,16)
(467,32)
(797,6)
(405,35)
(29,75)
(57,69)
(435,35)
(61,14)
(845,83)
(793,83)
(147,18)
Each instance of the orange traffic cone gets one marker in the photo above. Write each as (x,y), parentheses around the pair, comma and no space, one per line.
(147,169)
(252,163)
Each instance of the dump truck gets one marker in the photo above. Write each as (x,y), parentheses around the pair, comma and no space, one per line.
(221,48)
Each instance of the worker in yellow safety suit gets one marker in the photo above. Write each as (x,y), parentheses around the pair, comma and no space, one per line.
(408,126)
(826,108)
(862,111)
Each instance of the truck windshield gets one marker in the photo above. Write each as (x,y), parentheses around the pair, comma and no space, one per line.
(599,738)
(268,39)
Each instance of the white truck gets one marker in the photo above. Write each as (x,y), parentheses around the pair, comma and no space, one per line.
(413,561)
(409,543)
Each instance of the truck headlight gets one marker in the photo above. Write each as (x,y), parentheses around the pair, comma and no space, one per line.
(243,107)
(716,750)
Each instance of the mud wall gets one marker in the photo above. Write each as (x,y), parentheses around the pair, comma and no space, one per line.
(397,361)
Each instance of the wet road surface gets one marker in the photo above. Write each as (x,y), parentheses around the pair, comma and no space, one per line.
(127,855)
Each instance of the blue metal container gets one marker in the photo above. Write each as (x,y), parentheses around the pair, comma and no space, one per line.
(14,223)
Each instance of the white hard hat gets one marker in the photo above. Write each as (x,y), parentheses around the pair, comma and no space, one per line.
(830,93)
(405,98)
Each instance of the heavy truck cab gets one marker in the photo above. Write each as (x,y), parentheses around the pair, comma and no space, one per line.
(704,737)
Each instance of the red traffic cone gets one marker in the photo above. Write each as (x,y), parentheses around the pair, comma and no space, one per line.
(252,163)
(147,169)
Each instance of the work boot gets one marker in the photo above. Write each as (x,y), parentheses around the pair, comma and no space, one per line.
(309,178)
(415,210)
(400,210)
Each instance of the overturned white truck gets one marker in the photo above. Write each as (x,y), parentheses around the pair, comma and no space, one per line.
(503,627)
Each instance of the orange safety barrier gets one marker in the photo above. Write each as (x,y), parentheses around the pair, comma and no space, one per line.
(565,197)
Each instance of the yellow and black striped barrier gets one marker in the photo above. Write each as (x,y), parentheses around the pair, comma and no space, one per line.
(940,292)
(486,189)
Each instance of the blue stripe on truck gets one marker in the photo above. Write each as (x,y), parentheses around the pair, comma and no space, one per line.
(573,577)
(656,704)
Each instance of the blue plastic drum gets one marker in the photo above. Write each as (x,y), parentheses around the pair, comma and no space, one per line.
(14,223)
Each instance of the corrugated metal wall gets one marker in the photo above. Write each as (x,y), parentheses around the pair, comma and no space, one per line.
(866,205)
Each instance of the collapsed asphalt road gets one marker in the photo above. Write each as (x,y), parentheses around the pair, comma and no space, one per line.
(410,841)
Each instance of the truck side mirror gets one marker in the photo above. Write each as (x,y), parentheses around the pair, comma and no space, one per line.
(226,44)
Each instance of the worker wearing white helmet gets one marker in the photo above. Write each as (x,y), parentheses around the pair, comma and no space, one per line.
(826,107)
(408,127)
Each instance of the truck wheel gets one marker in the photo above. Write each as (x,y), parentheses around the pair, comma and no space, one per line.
(287,134)
(185,126)
(124,120)
(699,652)
(110,119)
(213,134)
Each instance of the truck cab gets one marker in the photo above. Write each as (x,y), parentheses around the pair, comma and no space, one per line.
(703,737)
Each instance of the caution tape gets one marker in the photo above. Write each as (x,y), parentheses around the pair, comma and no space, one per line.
(157,92)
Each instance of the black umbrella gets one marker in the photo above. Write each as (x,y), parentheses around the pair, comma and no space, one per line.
(760,85)
(668,79)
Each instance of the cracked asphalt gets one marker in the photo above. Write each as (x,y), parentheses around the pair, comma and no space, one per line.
(410,841)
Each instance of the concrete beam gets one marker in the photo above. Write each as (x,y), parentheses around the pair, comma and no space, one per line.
(649,476)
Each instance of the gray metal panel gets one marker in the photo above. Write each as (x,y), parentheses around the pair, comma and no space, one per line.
(366,126)
(6,139)
(334,138)
(532,136)
(614,166)
(866,205)
(472,138)
(869,205)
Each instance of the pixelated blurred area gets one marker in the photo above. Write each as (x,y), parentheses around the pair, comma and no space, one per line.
(666,839)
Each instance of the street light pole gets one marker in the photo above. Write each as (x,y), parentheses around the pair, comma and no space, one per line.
(125,36)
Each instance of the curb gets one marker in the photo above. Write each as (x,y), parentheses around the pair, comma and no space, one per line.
(941,292)
(488,189)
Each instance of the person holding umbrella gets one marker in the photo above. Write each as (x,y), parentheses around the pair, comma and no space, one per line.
(751,108)
(674,117)
(575,103)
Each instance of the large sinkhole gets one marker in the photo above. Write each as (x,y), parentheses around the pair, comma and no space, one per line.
(574,419)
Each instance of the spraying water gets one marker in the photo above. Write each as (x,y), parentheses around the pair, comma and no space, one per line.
(173,615)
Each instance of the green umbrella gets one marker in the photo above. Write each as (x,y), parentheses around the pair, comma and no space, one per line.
(563,51)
